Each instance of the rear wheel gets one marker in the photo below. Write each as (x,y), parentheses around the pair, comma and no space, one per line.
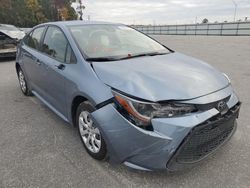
(89,133)
(23,83)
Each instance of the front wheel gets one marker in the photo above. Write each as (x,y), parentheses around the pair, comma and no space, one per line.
(89,133)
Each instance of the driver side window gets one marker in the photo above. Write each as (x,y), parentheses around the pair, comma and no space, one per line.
(56,45)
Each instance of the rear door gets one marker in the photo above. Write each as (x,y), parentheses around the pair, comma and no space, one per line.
(57,56)
(31,53)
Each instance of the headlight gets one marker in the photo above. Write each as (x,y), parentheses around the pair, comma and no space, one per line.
(142,112)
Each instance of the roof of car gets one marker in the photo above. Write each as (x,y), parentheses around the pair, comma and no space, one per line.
(79,22)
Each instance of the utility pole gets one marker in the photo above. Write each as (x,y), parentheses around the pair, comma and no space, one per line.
(235,9)
(80,8)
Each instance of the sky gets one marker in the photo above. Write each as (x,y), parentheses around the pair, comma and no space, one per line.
(164,11)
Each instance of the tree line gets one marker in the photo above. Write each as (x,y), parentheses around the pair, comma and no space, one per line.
(28,13)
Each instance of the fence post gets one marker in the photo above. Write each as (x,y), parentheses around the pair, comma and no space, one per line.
(221,29)
(207,28)
(237,30)
(195,29)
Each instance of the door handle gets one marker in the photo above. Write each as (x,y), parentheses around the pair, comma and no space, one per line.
(38,62)
(60,66)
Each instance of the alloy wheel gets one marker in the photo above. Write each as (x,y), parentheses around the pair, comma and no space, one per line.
(22,81)
(89,133)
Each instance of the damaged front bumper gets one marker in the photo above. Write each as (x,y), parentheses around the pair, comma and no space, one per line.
(9,52)
(8,46)
(163,147)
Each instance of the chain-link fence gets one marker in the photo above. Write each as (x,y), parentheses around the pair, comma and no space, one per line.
(220,29)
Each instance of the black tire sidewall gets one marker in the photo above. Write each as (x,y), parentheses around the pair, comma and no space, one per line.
(86,106)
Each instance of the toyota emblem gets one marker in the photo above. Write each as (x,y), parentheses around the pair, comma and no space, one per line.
(221,106)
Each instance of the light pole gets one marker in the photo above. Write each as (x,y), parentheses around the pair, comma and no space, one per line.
(235,9)
(80,8)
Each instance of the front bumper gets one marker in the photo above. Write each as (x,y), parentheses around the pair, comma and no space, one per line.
(10,52)
(163,147)
(204,139)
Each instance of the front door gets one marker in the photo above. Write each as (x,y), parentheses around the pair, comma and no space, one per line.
(54,48)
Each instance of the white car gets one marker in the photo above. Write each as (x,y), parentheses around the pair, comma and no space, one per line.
(9,38)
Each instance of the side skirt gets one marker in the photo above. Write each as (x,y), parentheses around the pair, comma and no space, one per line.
(50,106)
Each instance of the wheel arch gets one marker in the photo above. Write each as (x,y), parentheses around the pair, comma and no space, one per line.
(77,100)
(18,66)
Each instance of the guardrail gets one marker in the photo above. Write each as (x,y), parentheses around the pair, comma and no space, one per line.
(216,29)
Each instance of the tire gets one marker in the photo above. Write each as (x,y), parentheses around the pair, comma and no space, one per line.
(90,135)
(23,83)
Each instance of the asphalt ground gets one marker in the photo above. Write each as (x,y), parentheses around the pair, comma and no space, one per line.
(38,149)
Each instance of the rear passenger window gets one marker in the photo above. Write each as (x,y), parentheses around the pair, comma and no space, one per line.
(33,40)
(55,44)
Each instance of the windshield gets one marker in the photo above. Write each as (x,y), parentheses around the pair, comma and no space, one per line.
(106,41)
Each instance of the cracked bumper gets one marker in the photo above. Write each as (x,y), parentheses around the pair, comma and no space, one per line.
(150,150)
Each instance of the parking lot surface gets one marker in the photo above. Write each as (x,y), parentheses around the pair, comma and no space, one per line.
(38,149)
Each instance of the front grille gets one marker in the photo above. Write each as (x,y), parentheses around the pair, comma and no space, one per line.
(206,137)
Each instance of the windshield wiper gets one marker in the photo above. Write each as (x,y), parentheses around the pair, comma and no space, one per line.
(100,59)
(145,54)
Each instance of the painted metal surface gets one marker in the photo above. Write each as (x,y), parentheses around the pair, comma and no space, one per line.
(12,31)
(14,34)
(167,77)
(147,149)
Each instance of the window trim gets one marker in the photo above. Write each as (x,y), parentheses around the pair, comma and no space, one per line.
(31,33)
(64,62)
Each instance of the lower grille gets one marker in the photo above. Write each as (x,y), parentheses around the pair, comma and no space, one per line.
(206,137)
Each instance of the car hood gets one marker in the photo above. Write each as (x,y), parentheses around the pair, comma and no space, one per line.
(164,77)
(13,34)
